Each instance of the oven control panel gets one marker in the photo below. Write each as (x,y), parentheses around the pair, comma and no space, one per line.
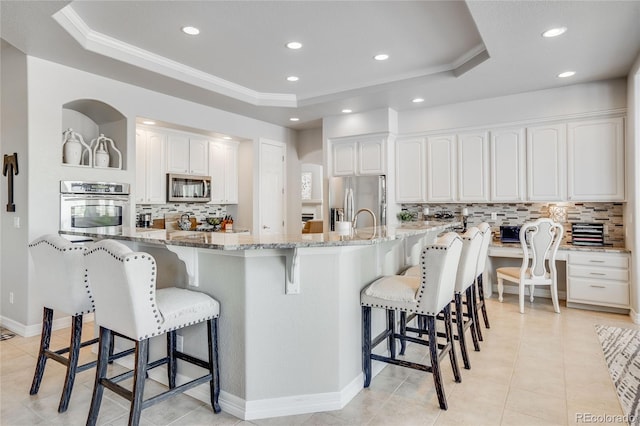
(79,187)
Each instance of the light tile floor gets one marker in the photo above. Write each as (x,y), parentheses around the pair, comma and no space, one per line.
(539,368)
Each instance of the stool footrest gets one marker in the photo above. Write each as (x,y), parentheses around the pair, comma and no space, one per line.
(193,360)
(178,389)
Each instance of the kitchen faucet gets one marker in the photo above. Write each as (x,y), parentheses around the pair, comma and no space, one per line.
(355,218)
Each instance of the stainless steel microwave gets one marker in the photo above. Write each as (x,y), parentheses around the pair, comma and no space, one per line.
(188,188)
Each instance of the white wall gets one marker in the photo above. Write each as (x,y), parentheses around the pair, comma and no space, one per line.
(13,138)
(310,146)
(539,105)
(633,186)
(52,85)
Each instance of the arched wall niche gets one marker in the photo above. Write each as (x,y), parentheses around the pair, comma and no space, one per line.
(90,118)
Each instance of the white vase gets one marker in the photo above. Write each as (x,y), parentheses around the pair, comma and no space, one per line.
(101,156)
(72,152)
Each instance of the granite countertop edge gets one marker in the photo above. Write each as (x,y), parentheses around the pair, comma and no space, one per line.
(233,241)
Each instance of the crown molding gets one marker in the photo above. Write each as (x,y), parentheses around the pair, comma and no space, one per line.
(105,45)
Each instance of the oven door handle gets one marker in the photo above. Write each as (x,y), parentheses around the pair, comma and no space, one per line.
(95,197)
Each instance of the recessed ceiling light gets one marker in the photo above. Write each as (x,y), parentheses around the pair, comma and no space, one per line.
(566,74)
(554,32)
(149,122)
(190,30)
(381,57)
(294,119)
(292,78)
(294,45)
(417,100)
(228,138)
(347,111)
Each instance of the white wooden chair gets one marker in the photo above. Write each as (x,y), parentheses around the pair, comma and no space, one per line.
(540,241)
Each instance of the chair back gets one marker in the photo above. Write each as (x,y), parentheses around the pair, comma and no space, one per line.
(471,245)
(124,289)
(60,274)
(540,240)
(439,266)
(485,230)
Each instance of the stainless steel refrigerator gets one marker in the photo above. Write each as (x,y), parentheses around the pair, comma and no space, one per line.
(349,194)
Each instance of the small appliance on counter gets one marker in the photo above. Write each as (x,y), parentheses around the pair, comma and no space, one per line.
(509,234)
(587,234)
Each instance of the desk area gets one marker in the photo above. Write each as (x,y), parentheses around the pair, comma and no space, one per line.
(588,277)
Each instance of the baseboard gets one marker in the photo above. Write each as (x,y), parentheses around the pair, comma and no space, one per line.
(35,329)
(266,408)
(635,316)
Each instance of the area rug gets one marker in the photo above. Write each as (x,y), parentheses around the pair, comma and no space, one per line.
(621,347)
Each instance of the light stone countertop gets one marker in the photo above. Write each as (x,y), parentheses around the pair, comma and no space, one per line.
(233,241)
(497,244)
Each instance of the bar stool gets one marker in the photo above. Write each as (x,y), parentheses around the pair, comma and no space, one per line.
(465,279)
(61,279)
(485,230)
(426,296)
(127,302)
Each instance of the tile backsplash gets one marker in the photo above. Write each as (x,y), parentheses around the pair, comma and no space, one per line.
(609,214)
(200,211)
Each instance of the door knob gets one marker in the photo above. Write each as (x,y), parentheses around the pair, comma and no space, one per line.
(265,227)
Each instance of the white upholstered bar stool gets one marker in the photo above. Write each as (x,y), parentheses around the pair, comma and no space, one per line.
(540,240)
(426,296)
(465,279)
(127,302)
(62,284)
(485,230)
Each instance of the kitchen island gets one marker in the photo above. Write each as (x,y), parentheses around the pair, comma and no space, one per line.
(290,326)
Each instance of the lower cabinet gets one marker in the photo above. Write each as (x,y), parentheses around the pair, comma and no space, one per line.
(600,279)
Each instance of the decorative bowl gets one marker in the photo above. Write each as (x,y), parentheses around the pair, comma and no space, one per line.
(214,221)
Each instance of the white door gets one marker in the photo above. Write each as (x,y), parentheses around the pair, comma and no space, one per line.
(344,158)
(441,168)
(371,156)
(410,170)
(508,165)
(271,187)
(199,156)
(546,163)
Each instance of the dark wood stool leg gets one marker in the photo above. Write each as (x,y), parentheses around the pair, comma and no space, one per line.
(460,327)
(403,332)
(483,307)
(171,355)
(435,361)
(472,318)
(391,328)
(448,328)
(214,384)
(45,340)
(101,374)
(112,346)
(366,345)
(476,318)
(139,375)
(74,355)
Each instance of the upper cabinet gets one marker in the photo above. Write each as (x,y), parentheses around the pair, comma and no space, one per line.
(473,166)
(187,154)
(151,169)
(223,164)
(359,156)
(508,164)
(596,145)
(546,163)
(441,168)
(411,179)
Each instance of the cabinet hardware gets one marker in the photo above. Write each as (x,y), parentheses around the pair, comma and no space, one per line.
(597,273)
(597,286)
(596,261)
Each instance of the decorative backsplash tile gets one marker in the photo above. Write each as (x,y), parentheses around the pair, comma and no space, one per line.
(609,214)
(200,211)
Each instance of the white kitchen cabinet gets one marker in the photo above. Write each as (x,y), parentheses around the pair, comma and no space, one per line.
(411,170)
(595,151)
(508,165)
(151,180)
(546,163)
(473,167)
(223,165)
(599,279)
(441,168)
(359,156)
(188,155)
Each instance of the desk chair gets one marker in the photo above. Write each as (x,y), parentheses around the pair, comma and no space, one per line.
(540,241)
